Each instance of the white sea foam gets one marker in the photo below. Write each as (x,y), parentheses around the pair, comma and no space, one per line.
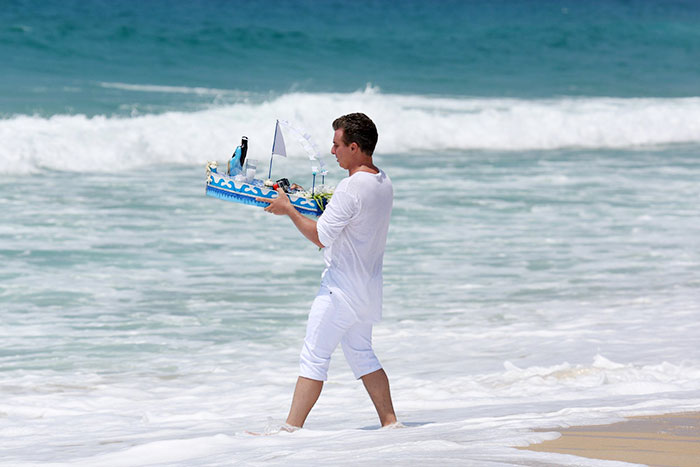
(200,91)
(407,124)
(145,325)
(200,417)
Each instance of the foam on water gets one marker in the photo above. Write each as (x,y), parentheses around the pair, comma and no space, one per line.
(145,324)
(150,88)
(198,415)
(103,143)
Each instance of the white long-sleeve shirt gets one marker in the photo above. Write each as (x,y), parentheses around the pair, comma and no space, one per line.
(353,230)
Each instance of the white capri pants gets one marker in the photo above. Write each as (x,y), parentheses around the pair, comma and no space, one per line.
(331,323)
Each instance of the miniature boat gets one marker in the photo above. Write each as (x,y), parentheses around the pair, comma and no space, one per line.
(229,188)
(237,186)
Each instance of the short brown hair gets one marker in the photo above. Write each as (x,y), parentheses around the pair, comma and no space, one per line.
(360,129)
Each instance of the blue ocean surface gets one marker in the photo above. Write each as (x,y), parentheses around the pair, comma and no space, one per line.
(543,261)
(59,57)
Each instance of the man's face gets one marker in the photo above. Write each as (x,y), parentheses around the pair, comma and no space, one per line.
(343,152)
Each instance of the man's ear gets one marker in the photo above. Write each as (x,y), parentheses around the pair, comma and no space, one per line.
(354,146)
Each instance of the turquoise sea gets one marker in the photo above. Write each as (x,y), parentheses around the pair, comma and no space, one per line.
(543,261)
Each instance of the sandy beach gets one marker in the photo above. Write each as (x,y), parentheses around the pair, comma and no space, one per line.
(660,440)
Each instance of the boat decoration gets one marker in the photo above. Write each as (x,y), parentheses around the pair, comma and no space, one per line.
(237,181)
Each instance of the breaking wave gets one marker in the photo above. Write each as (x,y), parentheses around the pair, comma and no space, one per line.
(407,123)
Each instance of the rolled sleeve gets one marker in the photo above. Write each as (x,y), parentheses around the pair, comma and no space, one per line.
(339,212)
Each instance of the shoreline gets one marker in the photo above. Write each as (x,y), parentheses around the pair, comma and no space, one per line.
(660,440)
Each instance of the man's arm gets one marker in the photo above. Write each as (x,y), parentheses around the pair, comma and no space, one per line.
(282,206)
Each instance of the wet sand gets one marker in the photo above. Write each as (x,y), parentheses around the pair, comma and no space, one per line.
(659,440)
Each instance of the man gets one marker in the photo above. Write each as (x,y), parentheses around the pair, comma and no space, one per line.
(352,231)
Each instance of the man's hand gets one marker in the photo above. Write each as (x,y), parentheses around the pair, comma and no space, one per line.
(280,205)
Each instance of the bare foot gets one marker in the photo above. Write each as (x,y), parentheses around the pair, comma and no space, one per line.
(392,426)
(271,429)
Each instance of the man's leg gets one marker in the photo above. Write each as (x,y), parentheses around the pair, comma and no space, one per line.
(305,396)
(357,347)
(377,385)
(324,330)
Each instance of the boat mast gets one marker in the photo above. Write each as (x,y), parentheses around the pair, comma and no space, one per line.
(272,155)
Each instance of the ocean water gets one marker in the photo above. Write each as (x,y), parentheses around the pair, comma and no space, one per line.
(542,267)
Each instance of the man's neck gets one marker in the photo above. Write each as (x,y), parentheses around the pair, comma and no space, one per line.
(366,166)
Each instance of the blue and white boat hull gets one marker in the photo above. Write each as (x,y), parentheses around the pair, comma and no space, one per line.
(227,188)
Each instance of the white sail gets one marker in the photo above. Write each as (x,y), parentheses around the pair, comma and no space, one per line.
(278,146)
(309,146)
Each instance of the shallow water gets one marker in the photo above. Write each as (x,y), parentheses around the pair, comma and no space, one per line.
(542,266)
(534,289)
